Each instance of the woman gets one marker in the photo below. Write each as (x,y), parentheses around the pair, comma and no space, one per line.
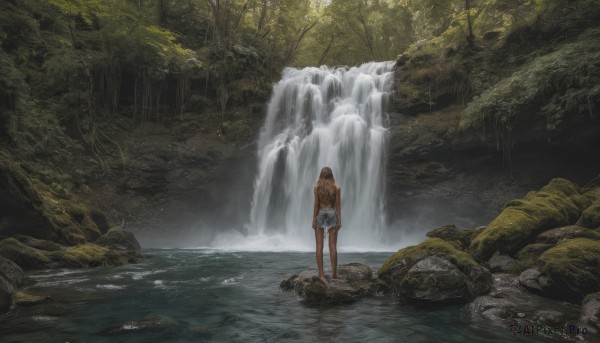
(327,217)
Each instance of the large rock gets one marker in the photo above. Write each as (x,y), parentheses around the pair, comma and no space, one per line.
(79,256)
(509,303)
(571,269)
(119,239)
(57,216)
(490,308)
(354,282)
(530,279)
(530,253)
(469,279)
(7,301)
(451,233)
(590,218)
(11,272)
(564,233)
(503,263)
(557,204)
(590,311)
(434,279)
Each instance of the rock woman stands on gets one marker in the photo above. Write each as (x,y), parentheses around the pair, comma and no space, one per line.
(327,218)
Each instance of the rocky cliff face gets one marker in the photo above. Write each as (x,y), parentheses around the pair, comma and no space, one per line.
(474,127)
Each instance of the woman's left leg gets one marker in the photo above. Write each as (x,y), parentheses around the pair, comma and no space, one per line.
(333,252)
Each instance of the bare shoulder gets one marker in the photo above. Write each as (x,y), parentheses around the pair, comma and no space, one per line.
(338,189)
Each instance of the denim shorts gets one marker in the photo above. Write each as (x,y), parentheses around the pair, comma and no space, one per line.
(327,218)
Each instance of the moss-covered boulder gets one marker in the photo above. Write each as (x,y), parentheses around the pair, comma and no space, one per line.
(530,253)
(590,218)
(564,233)
(452,234)
(11,272)
(119,239)
(58,217)
(557,204)
(79,256)
(26,257)
(469,278)
(354,282)
(571,269)
(7,301)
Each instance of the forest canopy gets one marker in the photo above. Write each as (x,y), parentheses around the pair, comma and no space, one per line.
(78,62)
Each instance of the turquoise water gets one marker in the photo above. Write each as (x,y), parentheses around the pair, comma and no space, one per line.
(215,296)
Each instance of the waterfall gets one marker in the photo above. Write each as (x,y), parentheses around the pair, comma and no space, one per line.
(321,117)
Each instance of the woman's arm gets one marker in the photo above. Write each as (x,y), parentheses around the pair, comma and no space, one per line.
(338,205)
(315,210)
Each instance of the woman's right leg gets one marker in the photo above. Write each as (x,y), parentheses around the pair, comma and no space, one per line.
(319,239)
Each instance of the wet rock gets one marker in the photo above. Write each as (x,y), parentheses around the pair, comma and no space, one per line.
(530,253)
(505,284)
(451,233)
(24,299)
(590,310)
(590,218)
(119,239)
(79,256)
(490,308)
(7,301)
(434,279)
(40,244)
(354,282)
(571,269)
(137,325)
(475,279)
(11,272)
(564,233)
(530,280)
(503,263)
(549,317)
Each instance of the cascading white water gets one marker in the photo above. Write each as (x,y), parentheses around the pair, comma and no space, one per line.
(321,117)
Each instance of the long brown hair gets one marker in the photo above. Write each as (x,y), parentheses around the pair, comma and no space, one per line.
(325,186)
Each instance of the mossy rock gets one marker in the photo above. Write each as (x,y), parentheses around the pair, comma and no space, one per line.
(79,256)
(119,239)
(557,204)
(89,255)
(26,257)
(451,234)
(11,272)
(394,270)
(7,301)
(40,244)
(590,218)
(61,218)
(565,233)
(572,269)
(530,253)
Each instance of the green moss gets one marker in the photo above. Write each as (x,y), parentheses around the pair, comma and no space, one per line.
(557,204)
(590,218)
(573,267)
(26,257)
(431,247)
(529,255)
(88,255)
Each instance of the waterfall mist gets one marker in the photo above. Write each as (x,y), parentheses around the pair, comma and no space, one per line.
(320,117)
